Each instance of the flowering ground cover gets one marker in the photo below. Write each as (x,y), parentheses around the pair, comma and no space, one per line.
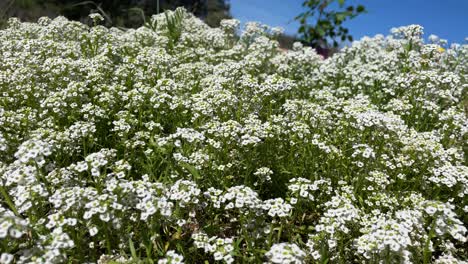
(177,142)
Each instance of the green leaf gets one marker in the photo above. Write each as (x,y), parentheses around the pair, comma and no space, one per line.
(341,2)
(132,249)
(8,201)
(340,17)
(320,31)
(191,169)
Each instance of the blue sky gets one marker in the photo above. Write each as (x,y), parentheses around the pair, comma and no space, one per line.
(447,19)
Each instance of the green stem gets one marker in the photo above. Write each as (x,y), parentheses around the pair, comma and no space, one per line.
(246,235)
(108,241)
(8,201)
(270,239)
(280,230)
(427,253)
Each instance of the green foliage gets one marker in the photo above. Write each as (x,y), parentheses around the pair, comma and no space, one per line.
(286,41)
(174,25)
(328,27)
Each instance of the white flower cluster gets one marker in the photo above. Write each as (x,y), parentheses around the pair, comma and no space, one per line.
(302,188)
(176,142)
(221,248)
(185,192)
(172,258)
(263,175)
(240,197)
(385,235)
(33,150)
(11,225)
(277,207)
(445,220)
(285,253)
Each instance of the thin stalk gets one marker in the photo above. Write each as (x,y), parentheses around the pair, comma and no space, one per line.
(8,201)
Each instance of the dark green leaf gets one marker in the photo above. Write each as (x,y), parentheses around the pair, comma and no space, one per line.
(340,17)
(191,169)
(132,249)
(321,32)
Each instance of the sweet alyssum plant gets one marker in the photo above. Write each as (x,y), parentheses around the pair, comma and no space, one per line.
(181,143)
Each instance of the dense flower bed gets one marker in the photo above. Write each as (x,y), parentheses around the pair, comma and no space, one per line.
(177,142)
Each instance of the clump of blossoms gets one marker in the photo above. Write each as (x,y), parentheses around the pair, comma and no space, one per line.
(171,258)
(221,248)
(285,253)
(180,143)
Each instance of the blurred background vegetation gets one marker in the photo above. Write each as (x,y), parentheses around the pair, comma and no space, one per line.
(118,13)
(321,22)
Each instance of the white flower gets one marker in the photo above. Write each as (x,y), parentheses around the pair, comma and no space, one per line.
(171,258)
(96,17)
(93,231)
(430,210)
(6,258)
(293,200)
(218,256)
(285,253)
